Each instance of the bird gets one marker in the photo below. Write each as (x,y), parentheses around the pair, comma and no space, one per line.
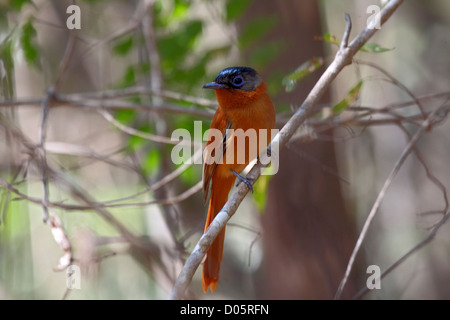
(243,104)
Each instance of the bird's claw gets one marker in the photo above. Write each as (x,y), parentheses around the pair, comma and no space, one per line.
(247,181)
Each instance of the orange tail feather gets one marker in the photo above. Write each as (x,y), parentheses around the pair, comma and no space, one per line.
(211,265)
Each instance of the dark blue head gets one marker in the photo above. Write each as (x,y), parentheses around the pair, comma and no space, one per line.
(240,78)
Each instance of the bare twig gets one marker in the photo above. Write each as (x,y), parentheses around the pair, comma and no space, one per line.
(42,139)
(76,207)
(397,83)
(414,249)
(70,47)
(140,90)
(380,198)
(348,29)
(99,100)
(131,26)
(131,131)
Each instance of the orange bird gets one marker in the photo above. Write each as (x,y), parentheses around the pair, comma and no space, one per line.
(243,104)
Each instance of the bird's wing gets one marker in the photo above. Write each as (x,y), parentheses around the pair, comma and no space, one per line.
(212,154)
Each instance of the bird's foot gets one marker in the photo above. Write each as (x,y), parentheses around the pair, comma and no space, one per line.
(247,181)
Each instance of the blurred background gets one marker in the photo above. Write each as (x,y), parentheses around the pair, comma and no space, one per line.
(128,217)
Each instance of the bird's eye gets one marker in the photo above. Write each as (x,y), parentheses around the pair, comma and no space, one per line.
(238,81)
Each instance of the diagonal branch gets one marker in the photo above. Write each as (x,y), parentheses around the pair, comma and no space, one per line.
(431,235)
(343,58)
(378,201)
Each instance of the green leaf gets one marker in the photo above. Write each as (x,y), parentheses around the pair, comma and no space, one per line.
(129,78)
(255,29)
(125,116)
(123,46)
(304,70)
(6,69)
(262,55)
(371,47)
(260,189)
(17,4)
(135,143)
(329,38)
(235,8)
(351,97)
(27,42)
(152,161)
(180,9)
(374,48)
(175,46)
(190,176)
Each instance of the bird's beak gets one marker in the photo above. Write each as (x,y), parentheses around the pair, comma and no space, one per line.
(215,85)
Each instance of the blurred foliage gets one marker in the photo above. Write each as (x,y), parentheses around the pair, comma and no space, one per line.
(14,238)
(374,48)
(23,36)
(15,5)
(28,43)
(186,64)
(261,187)
(304,70)
(235,8)
(6,69)
(352,97)
(368,47)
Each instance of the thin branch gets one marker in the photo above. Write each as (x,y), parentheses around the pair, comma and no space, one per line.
(414,249)
(379,199)
(122,105)
(315,161)
(397,83)
(348,29)
(70,47)
(131,131)
(140,90)
(63,148)
(42,139)
(342,59)
(133,23)
(438,183)
(82,196)
(77,207)
(165,180)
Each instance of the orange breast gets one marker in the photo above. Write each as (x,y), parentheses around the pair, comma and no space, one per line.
(252,115)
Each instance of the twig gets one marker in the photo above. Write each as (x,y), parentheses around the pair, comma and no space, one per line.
(104,205)
(66,59)
(140,90)
(438,183)
(133,23)
(131,131)
(154,82)
(342,59)
(379,199)
(348,29)
(166,179)
(44,119)
(63,148)
(42,139)
(122,105)
(397,83)
(414,249)
(315,161)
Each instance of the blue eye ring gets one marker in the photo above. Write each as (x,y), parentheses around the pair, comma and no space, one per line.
(238,81)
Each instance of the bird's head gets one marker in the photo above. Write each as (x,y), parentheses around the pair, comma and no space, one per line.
(237,78)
